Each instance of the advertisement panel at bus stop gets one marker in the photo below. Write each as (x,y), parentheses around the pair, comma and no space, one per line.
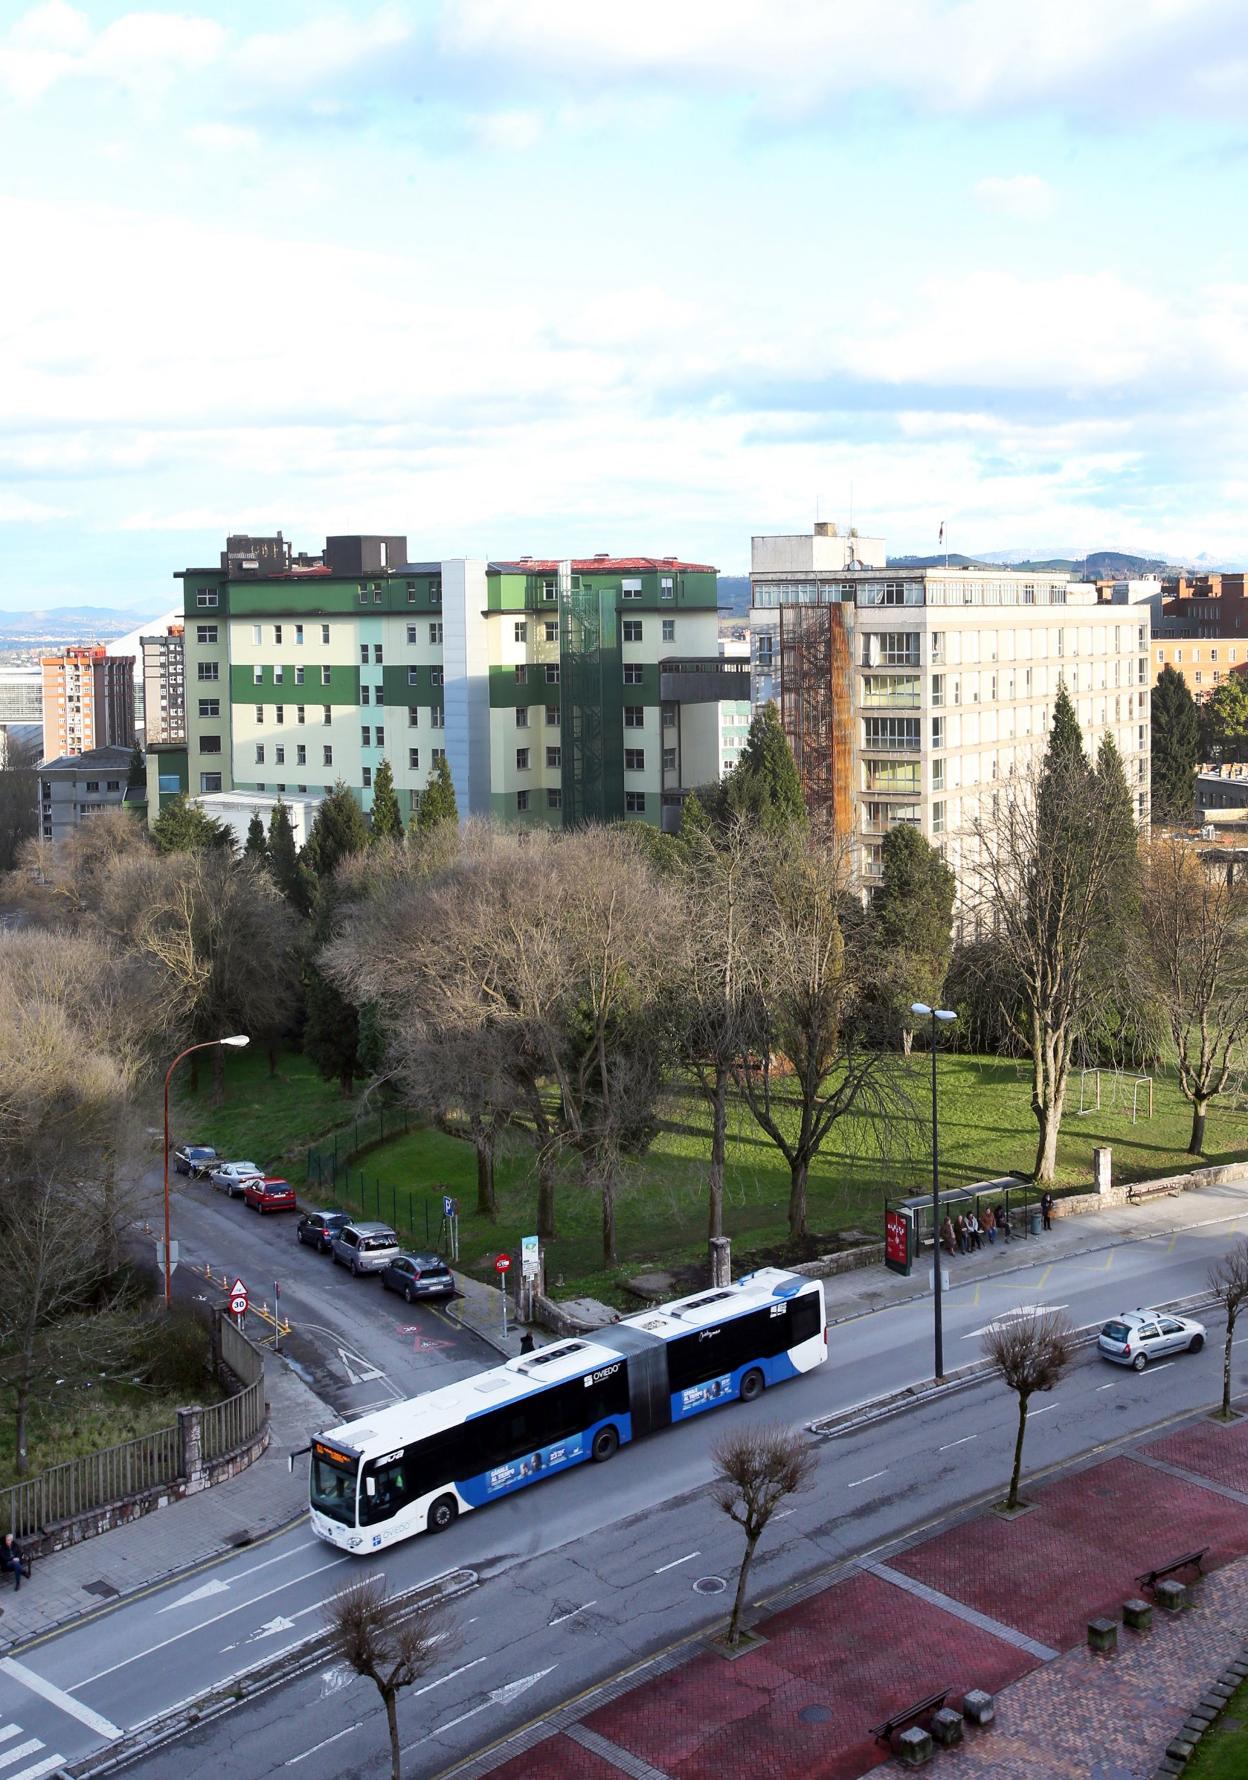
(897,1228)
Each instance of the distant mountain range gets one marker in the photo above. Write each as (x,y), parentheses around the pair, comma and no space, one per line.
(96,621)
(734,595)
(1096,565)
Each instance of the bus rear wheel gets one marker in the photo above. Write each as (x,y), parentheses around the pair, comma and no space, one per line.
(606,1445)
(443,1514)
(751,1386)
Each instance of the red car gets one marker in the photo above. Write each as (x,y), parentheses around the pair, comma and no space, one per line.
(269,1194)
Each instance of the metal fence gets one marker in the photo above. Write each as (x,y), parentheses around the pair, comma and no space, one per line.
(329,1172)
(117,1472)
(327,1160)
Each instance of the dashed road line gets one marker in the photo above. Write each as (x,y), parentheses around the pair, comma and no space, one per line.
(871,1479)
(676,1562)
(953,1443)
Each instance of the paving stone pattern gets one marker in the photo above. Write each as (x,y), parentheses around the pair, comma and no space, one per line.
(1217,1450)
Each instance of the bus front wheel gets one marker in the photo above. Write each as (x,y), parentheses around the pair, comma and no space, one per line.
(751,1386)
(443,1514)
(606,1444)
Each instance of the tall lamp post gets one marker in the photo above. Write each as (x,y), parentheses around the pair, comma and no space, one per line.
(943,1016)
(237,1042)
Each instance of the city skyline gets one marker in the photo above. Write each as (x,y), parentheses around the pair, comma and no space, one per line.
(523,278)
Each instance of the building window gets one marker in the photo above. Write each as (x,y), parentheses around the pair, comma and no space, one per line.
(376,596)
(279,713)
(436,677)
(411,593)
(413,716)
(413,676)
(938,774)
(328,712)
(554,798)
(893,734)
(436,718)
(669,630)
(666,588)
(938,732)
(301,755)
(552,632)
(554,757)
(298,633)
(522,760)
(634,760)
(938,648)
(379,695)
(522,716)
(205,601)
(521,631)
(890,648)
(210,744)
(363,654)
(633,673)
(379,738)
(365,694)
(259,713)
(552,716)
(938,689)
(206,633)
(277,633)
(363,594)
(634,716)
(279,674)
(377,655)
(413,759)
(435,593)
(522,800)
(210,781)
(632,630)
(208,670)
(634,803)
(1199,678)
(522,674)
(366,736)
(437,754)
(257,675)
(301,712)
(411,633)
(669,759)
(325,673)
(93,784)
(324,633)
(630,590)
(298,676)
(938,818)
(552,673)
(366,773)
(435,632)
(669,716)
(327,755)
(279,755)
(210,707)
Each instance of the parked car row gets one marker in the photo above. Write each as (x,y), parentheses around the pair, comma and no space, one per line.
(374,1248)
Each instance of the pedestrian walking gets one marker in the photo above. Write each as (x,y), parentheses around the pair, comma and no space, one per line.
(947,1237)
(1046,1209)
(526,1343)
(990,1224)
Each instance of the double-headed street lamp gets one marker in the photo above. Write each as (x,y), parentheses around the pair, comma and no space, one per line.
(944,1017)
(237,1042)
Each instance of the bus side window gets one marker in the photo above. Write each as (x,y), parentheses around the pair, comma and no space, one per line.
(803,1318)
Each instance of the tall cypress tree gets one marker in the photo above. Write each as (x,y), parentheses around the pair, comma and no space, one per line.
(136,777)
(291,877)
(256,847)
(339,831)
(387,818)
(437,800)
(1176,747)
(765,783)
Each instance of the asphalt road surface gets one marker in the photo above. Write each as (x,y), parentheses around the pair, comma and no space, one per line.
(601,1565)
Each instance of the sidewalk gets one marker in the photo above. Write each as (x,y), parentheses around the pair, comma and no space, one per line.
(264,1497)
(931,1614)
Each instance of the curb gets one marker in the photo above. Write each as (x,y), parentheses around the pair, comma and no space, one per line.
(309,1653)
(1203,1717)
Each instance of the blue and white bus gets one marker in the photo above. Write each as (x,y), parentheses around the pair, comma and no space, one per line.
(418,1465)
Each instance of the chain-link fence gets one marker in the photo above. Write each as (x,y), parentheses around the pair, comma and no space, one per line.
(417,1213)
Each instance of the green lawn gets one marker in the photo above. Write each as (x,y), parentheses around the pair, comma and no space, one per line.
(986,1129)
(1223,1752)
(269,1120)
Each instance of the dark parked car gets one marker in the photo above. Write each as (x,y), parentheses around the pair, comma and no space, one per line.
(319,1228)
(194,1159)
(419,1276)
(270,1194)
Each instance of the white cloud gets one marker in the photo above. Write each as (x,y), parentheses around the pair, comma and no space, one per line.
(16,509)
(221,138)
(1025,197)
(509,131)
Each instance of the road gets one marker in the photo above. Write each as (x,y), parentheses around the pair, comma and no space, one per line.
(595,1569)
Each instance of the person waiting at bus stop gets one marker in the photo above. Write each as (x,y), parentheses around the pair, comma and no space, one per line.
(972,1231)
(946,1236)
(990,1223)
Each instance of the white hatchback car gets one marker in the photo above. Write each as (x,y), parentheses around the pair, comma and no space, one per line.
(1138,1336)
(232,1177)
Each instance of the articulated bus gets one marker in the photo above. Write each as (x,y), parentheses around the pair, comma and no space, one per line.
(418,1465)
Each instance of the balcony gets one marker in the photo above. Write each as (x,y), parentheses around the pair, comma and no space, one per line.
(703,679)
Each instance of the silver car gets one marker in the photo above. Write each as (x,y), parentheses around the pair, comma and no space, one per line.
(232,1177)
(365,1248)
(1138,1336)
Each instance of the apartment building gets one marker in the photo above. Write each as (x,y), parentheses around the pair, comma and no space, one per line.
(88,701)
(21,695)
(1203,663)
(914,696)
(73,787)
(1209,606)
(796,569)
(164,685)
(558,691)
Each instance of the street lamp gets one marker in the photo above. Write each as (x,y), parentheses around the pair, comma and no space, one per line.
(237,1042)
(943,1016)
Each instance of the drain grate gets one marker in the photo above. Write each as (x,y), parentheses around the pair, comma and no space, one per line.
(105,1590)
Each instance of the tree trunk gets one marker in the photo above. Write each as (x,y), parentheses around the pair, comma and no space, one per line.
(1200,1111)
(798,1172)
(20,1419)
(609,1257)
(1011,1501)
(1049,1121)
(719,1127)
(546,1194)
(483,1144)
(907,1041)
(392,1722)
(734,1624)
(1226,1365)
(346,1081)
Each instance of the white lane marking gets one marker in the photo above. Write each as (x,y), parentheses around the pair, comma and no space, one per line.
(676,1562)
(784,1514)
(1107,1387)
(365,1372)
(367,1408)
(501,1696)
(216,1587)
(1010,1316)
(203,1625)
(9,1730)
(334,1680)
(38,1769)
(1033,1413)
(871,1479)
(317,1747)
(55,1696)
(1160,1368)
(953,1443)
(450,1676)
(566,1616)
(19,1750)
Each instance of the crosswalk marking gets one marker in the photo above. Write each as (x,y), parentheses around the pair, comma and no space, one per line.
(18,1751)
(35,1770)
(49,1765)
(9,1730)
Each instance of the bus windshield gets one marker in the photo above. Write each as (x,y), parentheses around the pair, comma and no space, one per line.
(333,1484)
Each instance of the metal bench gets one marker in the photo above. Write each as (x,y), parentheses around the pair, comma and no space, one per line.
(883,1733)
(1150,1578)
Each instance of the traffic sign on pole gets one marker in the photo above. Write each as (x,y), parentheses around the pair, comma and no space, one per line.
(502,1263)
(238,1289)
(238,1305)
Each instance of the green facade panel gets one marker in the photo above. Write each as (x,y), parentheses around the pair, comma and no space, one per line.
(591,709)
(343,687)
(535,689)
(400,690)
(314,596)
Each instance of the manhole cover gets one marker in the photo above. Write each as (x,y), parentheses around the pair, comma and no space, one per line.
(709,1585)
(105,1590)
(815,1714)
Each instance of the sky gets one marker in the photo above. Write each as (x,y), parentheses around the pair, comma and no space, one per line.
(542,277)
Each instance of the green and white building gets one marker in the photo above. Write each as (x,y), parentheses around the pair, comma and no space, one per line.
(558,691)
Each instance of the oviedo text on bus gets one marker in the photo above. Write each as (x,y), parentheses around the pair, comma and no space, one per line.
(418,1465)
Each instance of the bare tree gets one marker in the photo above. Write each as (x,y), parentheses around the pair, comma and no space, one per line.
(755,1471)
(1196,935)
(802,1040)
(1031,1352)
(1228,1281)
(389,1643)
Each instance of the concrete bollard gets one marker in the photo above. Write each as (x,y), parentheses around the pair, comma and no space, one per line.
(979,1707)
(1137,1615)
(914,1747)
(947,1727)
(1103,1636)
(1171,1595)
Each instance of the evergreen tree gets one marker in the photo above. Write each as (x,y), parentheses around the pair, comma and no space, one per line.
(331,1033)
(914,915)
(1176,747)
(182,827)
(291,876)
(339,831)
(437,800)
(136,778)
(387,818)
(1225,715)
(765,783)
(695,835)
(256,849)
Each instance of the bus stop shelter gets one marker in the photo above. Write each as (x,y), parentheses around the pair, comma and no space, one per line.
(1014,1194)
